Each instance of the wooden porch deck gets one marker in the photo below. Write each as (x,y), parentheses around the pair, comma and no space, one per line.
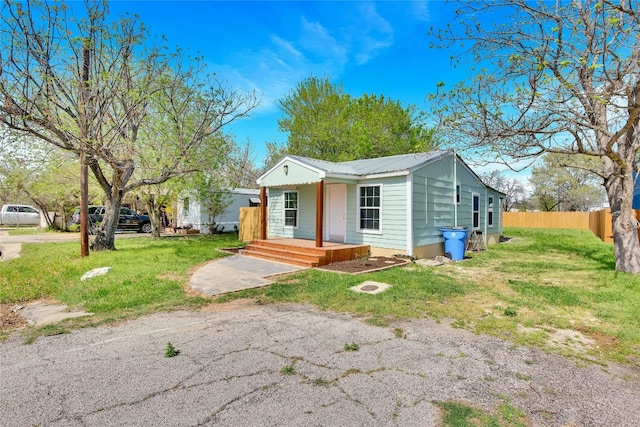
(304,252)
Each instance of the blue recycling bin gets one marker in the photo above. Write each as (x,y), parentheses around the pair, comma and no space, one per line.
(455,239)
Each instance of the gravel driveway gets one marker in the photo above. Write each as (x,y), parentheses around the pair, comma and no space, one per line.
(230,372)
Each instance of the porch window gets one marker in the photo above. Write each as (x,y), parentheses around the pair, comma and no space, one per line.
(290,208)
(369,207)
(490,213)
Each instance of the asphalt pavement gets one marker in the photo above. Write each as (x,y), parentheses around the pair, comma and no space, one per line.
(243,364)
(286,365)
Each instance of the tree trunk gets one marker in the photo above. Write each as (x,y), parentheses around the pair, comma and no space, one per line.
(619,188)
(106,233)
(155,215)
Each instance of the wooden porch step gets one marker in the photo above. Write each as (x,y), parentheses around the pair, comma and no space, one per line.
(287,259)
(278,244)
(297,253)
(303,252)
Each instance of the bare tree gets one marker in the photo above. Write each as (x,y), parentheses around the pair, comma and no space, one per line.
(558,187)
(96,87)
(513,189)
(553,77)
(242,168)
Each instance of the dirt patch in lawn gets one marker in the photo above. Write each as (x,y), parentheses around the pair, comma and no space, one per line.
(357,266)
(10,317)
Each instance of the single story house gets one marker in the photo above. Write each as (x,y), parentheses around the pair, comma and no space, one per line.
(396,204)
(192,212)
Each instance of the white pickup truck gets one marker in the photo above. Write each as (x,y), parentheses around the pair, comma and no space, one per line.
(18,215)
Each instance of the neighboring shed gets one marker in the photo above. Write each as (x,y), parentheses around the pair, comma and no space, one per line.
(192,212)
(396,204)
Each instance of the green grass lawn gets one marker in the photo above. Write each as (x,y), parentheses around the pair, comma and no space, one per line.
(147,275)
(539,284)
(527,290)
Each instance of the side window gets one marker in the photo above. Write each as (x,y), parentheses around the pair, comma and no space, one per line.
(476,210)
(490,212)
(290,208)
(12,209)
(458,194)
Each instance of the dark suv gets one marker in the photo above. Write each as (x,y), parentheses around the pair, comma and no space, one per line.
(129,220)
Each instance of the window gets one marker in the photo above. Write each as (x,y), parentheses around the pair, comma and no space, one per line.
(458,194)
(185,205)
(476,211)
(490,209)
(290,208)
(369,207)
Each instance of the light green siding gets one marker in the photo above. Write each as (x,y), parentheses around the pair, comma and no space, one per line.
(470,185)
(306,213)
(393,233)
(434,191)
(295,174)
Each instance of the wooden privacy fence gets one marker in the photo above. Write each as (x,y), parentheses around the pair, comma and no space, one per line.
(578,220)
(249,224)
(599,221)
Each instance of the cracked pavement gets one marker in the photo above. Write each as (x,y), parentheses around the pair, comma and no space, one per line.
(230,372)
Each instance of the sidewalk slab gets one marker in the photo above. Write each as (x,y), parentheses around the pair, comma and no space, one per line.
(38,313)
(236,273)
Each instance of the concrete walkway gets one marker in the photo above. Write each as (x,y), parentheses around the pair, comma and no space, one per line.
(237,273)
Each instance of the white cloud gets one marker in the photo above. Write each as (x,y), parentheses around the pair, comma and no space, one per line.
(274,68)
(421,11)
(370,34)
(318,43)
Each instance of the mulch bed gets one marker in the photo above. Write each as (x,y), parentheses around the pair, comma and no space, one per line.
(356,266)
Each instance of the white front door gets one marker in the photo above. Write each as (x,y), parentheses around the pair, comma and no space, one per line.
(336,213)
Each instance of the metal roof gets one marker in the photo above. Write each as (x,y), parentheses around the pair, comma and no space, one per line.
(380,165)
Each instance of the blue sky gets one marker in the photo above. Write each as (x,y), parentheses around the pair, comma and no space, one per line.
(376,47)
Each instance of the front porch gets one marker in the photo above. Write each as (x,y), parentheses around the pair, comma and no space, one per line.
(303,252)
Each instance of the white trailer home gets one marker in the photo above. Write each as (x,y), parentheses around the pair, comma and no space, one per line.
(192,212)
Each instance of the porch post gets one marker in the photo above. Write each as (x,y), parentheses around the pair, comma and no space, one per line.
(263,213)
(319,212)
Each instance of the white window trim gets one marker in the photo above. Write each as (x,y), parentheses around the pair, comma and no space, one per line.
(380,208)
(474,227)
(284,210)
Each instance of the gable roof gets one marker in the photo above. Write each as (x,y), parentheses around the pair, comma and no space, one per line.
(365,168)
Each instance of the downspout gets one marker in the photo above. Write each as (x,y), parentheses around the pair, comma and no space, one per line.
(455,193)
(410,215)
